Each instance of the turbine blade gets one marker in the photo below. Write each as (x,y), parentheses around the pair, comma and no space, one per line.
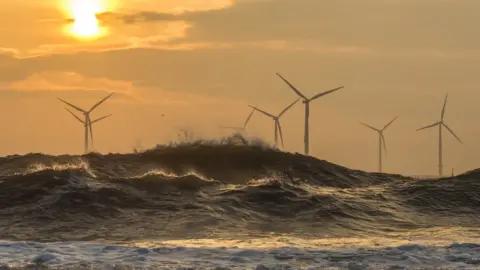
(100,119)
(444,106)
(387,125)
(100,102)
(287,108)
(325,93)
(453,133)
(71,105)
(384,143)
(74,115)
(429,126)
(264,112)
(280,131)
(293,87)
(248,118)
(377,130)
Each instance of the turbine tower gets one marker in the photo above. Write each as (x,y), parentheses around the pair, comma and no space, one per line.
(278,127)
(87,122)
(241,129)
(381,141)
(89,125)
(307,101)
(440,125)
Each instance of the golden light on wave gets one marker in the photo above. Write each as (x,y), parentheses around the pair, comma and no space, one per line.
(85,24)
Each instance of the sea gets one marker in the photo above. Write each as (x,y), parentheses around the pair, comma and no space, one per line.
(230,204)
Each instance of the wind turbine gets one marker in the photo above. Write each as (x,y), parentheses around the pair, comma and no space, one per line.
(381,141)
(278,127)
(307,101)
(440,125)
(241,129)
(87,122)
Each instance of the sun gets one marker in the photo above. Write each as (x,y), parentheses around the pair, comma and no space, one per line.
(84,16)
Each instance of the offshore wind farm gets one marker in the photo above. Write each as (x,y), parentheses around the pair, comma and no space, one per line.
(138,135)
(256,174)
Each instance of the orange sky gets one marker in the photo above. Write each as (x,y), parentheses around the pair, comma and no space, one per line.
(201,62)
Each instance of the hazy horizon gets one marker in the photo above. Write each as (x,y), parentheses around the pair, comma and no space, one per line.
(201,63)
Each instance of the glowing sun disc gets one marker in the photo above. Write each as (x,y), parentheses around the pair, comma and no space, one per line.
(86,26)
(85,22)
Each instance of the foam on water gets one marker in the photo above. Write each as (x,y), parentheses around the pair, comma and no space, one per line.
(214,255)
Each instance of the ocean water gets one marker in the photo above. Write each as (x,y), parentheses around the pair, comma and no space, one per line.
(230,205)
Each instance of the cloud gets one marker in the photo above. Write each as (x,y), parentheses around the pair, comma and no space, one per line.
(178,6)
(395,28)
(375,24)
(163,11)
(156,36)
(7,57)
(129,91)
(153,42)
(109,18)
(8,51)
(147,16)
(70,81)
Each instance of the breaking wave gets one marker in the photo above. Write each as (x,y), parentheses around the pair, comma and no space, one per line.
(205,188)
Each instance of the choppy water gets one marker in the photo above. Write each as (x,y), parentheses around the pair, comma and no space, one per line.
(224,191)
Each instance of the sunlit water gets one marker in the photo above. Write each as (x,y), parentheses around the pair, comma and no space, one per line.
(279,252)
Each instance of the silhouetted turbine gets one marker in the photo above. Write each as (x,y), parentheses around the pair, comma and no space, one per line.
(381,141)
(87,122)
(440,125)
(307,101)
(276,119)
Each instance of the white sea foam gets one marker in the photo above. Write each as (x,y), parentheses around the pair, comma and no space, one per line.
(217,254)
